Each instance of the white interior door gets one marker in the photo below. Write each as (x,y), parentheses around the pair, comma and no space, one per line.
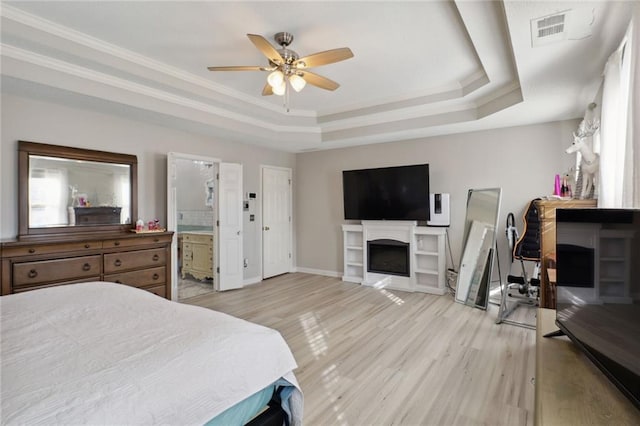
(230,229)
(276,221)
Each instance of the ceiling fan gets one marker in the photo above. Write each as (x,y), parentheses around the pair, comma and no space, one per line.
(285,65)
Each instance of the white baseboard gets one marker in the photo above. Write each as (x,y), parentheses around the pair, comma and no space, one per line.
(250,281)
(318,272)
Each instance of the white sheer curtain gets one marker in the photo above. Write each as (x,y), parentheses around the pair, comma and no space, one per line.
(619,141)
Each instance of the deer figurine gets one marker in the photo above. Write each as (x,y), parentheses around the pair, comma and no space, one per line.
(590,163)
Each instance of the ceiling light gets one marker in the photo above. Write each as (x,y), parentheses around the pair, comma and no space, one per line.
(297,82)
(275,79)
(280,89)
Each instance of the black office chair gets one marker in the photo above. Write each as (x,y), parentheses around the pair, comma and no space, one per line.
(525,248)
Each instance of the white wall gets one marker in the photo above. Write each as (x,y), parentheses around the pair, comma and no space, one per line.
(521,160)
(39,121)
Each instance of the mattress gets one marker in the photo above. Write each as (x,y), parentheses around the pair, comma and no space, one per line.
(245,410)
(107,353)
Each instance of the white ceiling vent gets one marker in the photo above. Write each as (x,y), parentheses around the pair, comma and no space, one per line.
(549,29)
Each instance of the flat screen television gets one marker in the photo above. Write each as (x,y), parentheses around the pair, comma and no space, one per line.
(387,193)
(598,289)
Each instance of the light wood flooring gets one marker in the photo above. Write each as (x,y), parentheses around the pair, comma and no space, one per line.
(381,357)
(190,287)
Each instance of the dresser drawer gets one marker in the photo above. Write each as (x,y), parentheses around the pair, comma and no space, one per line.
(198,238)
(137,241)
(144,278)
(127,260)
(29,273)
(160,290)
(37,249)
(47,284)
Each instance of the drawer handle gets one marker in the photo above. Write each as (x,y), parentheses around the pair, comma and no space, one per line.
(156,257)
(155,240)
(117,262)
(32,250)
(87,245)
(86,267)
(117,243)
(33,273)
(118,282)
(156,276)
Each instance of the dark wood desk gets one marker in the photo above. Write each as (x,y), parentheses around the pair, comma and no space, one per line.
(570,390)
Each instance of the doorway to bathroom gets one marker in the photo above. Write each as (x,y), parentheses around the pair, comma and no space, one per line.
(204,210)
(194,187)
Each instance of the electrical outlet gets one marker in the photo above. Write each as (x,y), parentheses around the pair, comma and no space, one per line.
(246,263)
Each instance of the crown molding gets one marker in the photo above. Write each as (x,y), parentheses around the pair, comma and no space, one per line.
(165,89)
(110,50)
(51,64)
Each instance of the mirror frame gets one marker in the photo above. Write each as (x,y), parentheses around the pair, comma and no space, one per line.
(27,149)
(485,279)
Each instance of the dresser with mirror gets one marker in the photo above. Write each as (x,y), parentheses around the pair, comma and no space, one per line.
(76,210)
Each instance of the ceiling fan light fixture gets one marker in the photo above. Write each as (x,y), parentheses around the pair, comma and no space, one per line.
(297,82)
(275,79)
(279,90)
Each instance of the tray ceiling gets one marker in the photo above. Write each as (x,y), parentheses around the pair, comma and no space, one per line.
(420,68)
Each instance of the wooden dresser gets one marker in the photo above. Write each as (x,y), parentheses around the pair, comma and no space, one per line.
(139,260)
(197,254)
(547,214)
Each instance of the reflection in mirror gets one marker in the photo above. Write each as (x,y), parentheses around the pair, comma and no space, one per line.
(479,241)
(64,192)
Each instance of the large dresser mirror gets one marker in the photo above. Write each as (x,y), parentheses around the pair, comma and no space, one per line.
(72,190)
(479,242)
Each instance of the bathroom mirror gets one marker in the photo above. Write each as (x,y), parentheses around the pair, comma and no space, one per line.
(479,241)
(65,190)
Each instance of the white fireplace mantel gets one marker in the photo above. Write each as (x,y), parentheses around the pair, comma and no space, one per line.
(426,255)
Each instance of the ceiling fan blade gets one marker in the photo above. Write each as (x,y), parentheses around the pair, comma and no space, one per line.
(266,48)
(324,58)
(237,68)
(267,90)
(319,81)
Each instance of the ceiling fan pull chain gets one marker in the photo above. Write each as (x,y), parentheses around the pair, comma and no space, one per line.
(286,94)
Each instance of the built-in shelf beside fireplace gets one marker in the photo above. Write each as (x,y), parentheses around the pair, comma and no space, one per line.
(423,270)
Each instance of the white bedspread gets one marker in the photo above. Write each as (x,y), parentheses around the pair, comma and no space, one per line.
(102,353)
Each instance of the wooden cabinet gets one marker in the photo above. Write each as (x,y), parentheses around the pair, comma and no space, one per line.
(547,215)
(197,255)
(97,215)
(139,260)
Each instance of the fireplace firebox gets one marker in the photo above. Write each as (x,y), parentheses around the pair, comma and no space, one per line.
(388,257)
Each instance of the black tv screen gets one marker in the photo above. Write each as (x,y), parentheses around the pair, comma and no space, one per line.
(388,193)
(598,289)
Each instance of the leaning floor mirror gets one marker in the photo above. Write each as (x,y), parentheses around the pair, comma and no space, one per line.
(479,242)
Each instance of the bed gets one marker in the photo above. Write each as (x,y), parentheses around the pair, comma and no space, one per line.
(105,353)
